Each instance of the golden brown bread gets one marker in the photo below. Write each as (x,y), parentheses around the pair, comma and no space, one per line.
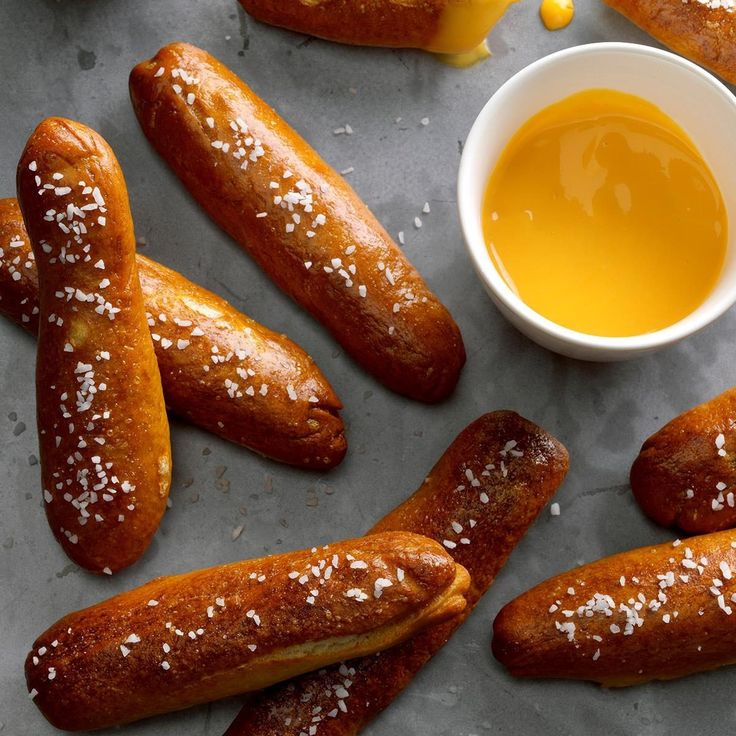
(702,30)
(445,26)
(653,613)
(103,431)
(303,224)
(18,274)
(219,369)
(187,639)
(684,475)
(481,497)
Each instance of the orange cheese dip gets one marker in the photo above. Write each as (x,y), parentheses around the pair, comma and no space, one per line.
(603,217)
(556,14)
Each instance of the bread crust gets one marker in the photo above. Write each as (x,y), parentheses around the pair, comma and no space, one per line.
(704,34)
(299,220)
(238,627)
(670,607)
(103,432)
(219,369)
(684,475)
(397,24)
(492,508)
(18,273)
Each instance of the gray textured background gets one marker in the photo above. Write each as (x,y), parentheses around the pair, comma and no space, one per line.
(72,58)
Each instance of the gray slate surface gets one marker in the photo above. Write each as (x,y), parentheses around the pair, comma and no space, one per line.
(72,58)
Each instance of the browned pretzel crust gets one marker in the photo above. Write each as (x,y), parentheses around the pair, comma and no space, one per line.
(103,431)
(685,474)
(653,613)
(704,34)
(301,221)
(188,639)
(479,500)
(219,369)
(407,24)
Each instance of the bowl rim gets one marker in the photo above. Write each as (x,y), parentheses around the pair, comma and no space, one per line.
(695,321)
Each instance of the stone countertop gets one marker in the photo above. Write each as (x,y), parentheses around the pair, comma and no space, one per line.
(72,58)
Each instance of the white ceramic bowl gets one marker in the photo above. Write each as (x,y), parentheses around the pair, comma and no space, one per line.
(696,100)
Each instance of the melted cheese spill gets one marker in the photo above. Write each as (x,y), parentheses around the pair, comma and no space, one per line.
(603,217)
(463,61)
(465,24)
(556,14)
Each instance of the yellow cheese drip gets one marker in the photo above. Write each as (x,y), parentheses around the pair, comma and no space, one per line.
(465,24)
(463,61)
(556,14)
(603,217)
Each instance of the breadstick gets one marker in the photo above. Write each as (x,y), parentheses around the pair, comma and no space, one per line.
(219,369)
(443,26)
(18,274)
(302,223)
(103,432)
(188,639)
(684,475)
(478,500)
(653,613)
(702,30)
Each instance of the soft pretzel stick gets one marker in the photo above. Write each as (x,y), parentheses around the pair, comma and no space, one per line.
(219,369)
(443,26)
(701,30)
(653,613)
(298,218)
(204,635)
(102,426)
(478,500)
(18,272)
(684,474)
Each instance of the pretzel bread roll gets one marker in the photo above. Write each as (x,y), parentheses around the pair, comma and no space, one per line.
(653,613)
(443,26)
(478,501)
(219,369)
(684,475)
(18,274)
(188,639)
(263,184)
(704,32)
(102,426)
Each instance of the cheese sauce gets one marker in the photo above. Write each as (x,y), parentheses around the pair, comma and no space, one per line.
(463,28)
(556,14)
(603,217)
